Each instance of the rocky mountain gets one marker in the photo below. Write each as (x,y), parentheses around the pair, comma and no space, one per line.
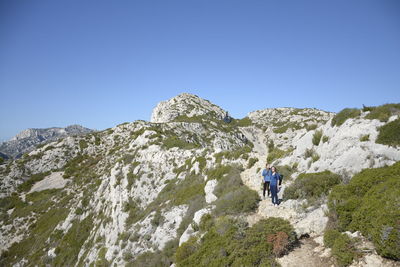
(184,190)
(28,139)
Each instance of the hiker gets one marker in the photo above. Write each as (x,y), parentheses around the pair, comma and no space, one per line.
(266,173)
(276,181)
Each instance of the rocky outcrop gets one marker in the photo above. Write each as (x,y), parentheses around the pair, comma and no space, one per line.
(185,105)
(28,139)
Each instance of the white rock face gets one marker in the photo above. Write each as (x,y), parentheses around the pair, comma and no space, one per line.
(209,189)
(343,153)
(184,104)
(53,181)
(189,232)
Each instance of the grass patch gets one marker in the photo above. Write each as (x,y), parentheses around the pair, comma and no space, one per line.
(344,115)
(369,204)
(389,134)
(383,113)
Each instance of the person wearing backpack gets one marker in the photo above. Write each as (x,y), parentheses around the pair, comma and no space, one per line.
(266,173)
(276,180)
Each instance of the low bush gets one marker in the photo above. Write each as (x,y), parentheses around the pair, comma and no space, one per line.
(325,139)
(230,242)
(364,138)
(384,112)
(389,134)
(251,163)
(174,141)
(233,196)
(317,137)
(218,172)
(369,204)
(344,115)
(311,186)
(239,201)
(277,153)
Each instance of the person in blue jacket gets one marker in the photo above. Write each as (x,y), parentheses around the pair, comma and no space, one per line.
(266,173)
(276,181)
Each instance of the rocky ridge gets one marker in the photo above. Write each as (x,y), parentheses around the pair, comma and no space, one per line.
(139,190)
(28,139)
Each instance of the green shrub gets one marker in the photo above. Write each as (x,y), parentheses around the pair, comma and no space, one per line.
(233,196)
(174,141)
(239,201)
(311,186)
(277,153)
(389,134)
(243,122)
(364,138)
(325,139)
(330,236)
(251,163)
(82,144)
(384,112)
(369,204)
(310,127)
(230,242)
(317,137)
(345,114)
(218,172)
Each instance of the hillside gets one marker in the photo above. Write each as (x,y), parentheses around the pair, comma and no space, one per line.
(184,189)
(28,139)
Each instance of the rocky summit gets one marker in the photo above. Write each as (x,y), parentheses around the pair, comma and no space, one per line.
(28,139)
(185,189)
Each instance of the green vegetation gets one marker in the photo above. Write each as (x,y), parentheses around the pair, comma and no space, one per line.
(325,139)
(27,185)
(286,171)
(369,204)
(364,138)
(345,114)
(81,168)
(317,137)
(49,208)
(382,113)
(82,144)
(342,247)
(218,172)
(71,243)
(230,242)
(174,141)
(277,153)
(310,153)
(233,196)
(235,154)
(156,258)
(389,134)
(251,162)
(311,127)
(311,186)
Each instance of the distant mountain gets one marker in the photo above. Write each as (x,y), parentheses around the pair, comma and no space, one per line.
(28,139)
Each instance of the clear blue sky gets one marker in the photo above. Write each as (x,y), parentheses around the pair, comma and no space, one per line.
(100,63)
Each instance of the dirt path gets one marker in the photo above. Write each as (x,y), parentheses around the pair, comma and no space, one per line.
(307,253)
